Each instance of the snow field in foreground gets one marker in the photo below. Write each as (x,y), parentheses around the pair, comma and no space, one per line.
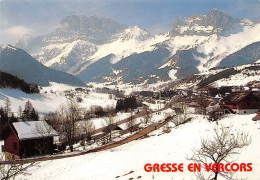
(173,147)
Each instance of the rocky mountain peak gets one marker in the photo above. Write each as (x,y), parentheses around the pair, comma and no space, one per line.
(215,22)
(76,23)
(219,19)
(92,29)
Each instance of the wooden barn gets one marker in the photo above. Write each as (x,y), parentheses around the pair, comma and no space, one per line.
(241,102)
(29,138)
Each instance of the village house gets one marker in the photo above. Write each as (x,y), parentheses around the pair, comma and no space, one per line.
(168,113)
(237,88)
(29,138)
(241,102)
(254,84)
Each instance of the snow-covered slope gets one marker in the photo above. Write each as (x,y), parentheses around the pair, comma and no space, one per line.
(127,161)
(52,97)
(43,103)
(235,76)
(246,55)
(244,75)
(220,47)
(67,57)
(132,40)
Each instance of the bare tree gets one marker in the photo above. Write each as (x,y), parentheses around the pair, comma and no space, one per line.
(69,115)
(110,96)
(181,114)
(43,130)
(110,123)
(88,127)
(8,107)
(167,128)
(52,118)
(225,144)
(147,115)
(131,121)
(178,119)
(11,170)
(215,113)
(20,112)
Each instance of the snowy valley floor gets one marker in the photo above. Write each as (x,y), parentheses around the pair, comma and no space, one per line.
(160,148)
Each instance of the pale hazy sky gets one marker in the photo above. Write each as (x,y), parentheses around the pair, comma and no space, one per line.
(19,17)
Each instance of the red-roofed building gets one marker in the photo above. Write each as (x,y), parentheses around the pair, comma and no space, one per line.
(242,102)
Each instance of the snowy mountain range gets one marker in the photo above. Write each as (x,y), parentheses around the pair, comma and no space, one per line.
(99,50)
(19,63)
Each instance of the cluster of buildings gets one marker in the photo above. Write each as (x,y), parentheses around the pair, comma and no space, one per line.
(78,92)
(26,139)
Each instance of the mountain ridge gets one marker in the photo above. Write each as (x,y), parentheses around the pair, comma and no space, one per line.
(204,39)
(18,62)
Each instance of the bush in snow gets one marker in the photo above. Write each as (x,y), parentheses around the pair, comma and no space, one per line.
(223,146)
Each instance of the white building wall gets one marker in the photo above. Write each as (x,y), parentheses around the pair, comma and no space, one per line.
(1,143)
(246,111)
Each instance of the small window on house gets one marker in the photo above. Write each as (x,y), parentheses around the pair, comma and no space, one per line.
(3,148)
(15,145)
(244,112)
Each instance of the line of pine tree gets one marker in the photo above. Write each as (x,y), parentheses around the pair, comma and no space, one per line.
(127,103)
(7,116)
(9,81)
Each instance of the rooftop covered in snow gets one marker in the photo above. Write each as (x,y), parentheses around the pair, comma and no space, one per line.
(33,129)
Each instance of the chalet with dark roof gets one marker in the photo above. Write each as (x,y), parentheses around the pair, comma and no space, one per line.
(241,102)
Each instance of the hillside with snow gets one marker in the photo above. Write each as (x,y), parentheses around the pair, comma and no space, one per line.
(235,76)
(51,98)
(19,63)
(127,161)
(131,40)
